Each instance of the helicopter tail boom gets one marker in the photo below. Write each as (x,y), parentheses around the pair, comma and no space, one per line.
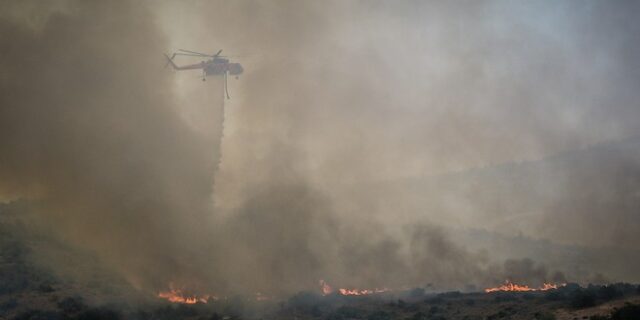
(187,67)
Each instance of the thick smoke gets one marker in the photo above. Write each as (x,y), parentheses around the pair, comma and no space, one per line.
(88,130)
(461,88)
(467,115)
(362,143)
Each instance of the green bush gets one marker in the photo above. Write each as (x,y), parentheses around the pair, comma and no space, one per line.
(379,315)
(609,292)
(544,316)
(416,292)
(628,312)
(39,315)
(8,305)
(583,299)
(71,305)
(419,316)
(346,312)
(99,314)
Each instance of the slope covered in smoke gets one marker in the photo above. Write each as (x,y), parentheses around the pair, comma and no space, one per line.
(40,275)
(88,132)
(91,137)
(579,206)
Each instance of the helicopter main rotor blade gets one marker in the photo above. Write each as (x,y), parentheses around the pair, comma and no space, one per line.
(193,52)
(190,55)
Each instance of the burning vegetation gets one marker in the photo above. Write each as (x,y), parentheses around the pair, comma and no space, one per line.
(510,286)
(176,295)
(30,293)
(179,296)
(182,296)
(327,289)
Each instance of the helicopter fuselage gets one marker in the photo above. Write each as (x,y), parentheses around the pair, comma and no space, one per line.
(213,67)
(219,65)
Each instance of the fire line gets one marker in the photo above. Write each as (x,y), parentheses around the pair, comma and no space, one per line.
(510,286)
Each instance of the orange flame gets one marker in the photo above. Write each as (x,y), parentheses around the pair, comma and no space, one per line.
(361,292)
(261,297)
(510,286)
(177,296)
(326,289)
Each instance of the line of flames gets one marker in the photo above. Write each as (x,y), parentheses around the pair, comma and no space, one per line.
(510,286)
(178,296)
(327,289)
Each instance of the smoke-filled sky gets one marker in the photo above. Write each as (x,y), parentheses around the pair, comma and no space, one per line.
(368,143)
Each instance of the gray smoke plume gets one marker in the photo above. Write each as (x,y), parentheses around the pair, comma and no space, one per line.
(485,115)
(89,131)
(470,115)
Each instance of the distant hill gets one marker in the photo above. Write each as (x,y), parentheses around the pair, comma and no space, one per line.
(582,206)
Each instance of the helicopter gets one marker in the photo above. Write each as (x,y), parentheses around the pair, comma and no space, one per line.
(217,65)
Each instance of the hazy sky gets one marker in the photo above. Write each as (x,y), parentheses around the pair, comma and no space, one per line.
(427,87)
